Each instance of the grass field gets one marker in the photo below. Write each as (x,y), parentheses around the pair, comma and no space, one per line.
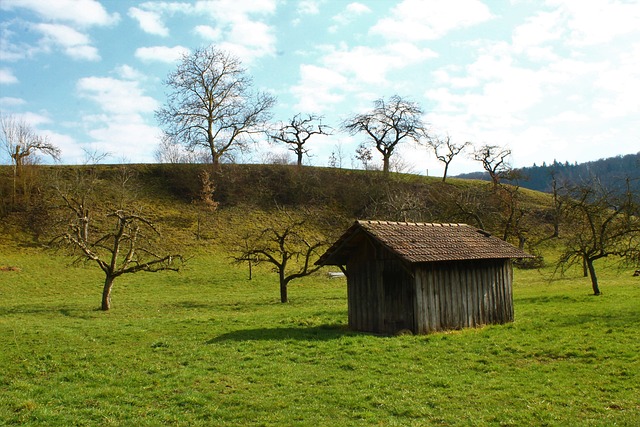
(208,347)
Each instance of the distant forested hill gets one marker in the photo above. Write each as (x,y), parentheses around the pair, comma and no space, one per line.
(611,172)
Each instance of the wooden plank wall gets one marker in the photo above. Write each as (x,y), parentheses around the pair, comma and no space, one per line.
(380,292)
(463,294)
(365,294)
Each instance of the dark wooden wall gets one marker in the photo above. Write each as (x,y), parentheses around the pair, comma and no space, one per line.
(380,291)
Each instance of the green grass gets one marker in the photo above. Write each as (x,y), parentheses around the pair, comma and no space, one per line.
(208,347)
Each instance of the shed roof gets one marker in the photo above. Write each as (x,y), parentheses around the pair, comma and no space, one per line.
(423,242)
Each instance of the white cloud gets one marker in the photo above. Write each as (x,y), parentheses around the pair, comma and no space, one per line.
(116,96)
(539,29)
(305,8)
(74,43)
(33,119)
(598,21)
(83,13)
(308,7)
(619,85)
(9,102)
(317,89)
(250,40)
(567,116)
(208,32)
(367,65)
(231,11)
(7,77)
(72,152)
(149,21)
(161,53)
(418,20)
(351,12)
(242,33)
(123,137)
(129,73)
(121,129)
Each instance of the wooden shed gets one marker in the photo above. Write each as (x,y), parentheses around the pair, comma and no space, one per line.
(424,277)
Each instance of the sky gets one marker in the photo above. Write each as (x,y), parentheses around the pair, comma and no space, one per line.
(547,79)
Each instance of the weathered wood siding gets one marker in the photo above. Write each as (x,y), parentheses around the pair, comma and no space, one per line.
(461,294)
(380,291)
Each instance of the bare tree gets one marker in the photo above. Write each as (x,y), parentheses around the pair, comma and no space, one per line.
(363,154)
(495,160)
(22,143)
(602,224)
(288,243)
(211,104)
(389,123)
(297,132)
(337,156)
(118,240)
(445,151)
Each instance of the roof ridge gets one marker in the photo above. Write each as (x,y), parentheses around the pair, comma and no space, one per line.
(420,224)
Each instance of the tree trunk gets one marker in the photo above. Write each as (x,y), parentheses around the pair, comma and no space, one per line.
(106,293)
(215,160)
(385,164)
(594,278)
(283,288)
(446,169)
(300,158)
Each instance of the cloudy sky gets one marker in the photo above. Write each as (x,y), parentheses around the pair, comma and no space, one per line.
(553,79)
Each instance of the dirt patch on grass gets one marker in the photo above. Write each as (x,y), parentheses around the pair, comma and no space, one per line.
(9,268)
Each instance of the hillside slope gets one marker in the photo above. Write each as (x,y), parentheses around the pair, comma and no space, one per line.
(335,197)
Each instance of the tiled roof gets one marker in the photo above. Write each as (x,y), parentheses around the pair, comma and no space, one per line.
(425,242)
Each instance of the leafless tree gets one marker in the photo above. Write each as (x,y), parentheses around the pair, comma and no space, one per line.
(336,157)
(117,237)
(495,160)
(297,132)
(445,151)
(600,224)
(22,144)
(211,104)
(288,243)
(363,154)
(390,123)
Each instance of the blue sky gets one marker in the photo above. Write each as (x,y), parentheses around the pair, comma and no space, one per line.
(554,79)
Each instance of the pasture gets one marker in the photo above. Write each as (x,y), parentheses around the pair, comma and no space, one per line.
(206,346)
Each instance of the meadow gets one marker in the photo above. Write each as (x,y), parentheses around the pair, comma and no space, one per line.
(207,346)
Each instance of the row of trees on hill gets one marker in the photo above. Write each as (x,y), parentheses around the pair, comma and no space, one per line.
(212,112)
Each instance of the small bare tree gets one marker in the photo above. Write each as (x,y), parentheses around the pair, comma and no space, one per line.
(288,243)
(119,240)
(211,104)
(297,132)
(22,144)
(363,154)
(391,122)
(445,151)
(495,160)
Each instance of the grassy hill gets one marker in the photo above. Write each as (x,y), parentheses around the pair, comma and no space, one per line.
(336,196)
(206,346)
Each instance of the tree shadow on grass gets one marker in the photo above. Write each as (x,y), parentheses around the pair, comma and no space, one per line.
(316,333)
